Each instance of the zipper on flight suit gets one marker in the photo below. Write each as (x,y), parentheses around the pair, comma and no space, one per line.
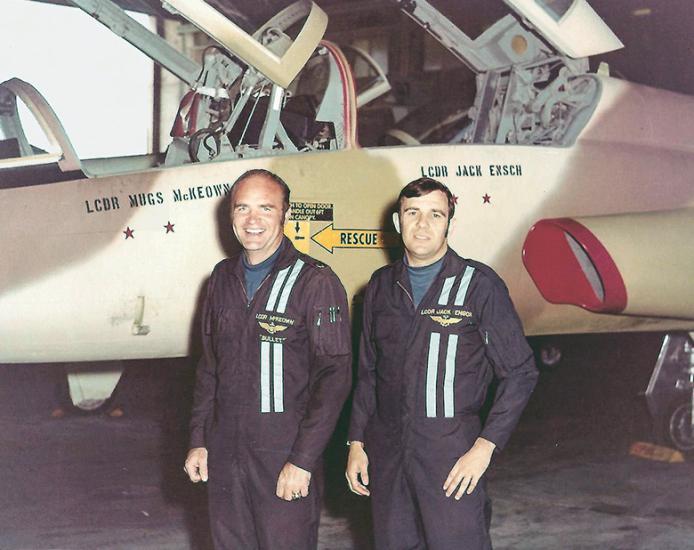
(408,294)
(243,288)
(416,383)
(242,427)
(405,435)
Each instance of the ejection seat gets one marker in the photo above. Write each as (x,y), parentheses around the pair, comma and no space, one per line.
(319,114)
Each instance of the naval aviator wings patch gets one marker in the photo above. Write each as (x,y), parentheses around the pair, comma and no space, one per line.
(445,321)
(271,327)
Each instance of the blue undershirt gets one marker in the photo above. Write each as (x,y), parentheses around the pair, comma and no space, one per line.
(421,278)
(254,274)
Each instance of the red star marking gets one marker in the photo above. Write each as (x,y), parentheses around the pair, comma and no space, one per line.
(486,199)
(129,233)
(169,227)
(455,199)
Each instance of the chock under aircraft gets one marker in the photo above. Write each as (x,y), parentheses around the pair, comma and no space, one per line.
(574,186)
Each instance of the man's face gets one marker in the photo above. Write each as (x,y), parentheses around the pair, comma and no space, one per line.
(424,227)
(257,217)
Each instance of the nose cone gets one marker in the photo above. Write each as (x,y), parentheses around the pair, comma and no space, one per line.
(569,265)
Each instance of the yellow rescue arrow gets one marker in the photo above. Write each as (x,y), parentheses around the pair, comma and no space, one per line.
(331,238)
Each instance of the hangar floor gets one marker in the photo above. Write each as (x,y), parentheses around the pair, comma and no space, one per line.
(566,480)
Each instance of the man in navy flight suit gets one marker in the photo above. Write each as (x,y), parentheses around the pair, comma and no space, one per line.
(437,328)
(275,371)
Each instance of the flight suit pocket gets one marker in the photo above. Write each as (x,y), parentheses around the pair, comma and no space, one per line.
(384,333)
(225,331)
(225,321)
(331,330)
(469,345)
(470,370)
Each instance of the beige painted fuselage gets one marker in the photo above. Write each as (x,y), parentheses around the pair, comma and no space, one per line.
(114,267)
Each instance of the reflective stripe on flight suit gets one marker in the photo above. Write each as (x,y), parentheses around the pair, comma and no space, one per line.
(451,347)
(271,354)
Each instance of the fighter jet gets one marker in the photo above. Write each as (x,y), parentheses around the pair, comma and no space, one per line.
(574,186)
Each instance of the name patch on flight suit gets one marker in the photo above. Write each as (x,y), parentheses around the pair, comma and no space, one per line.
(273,323)
(446,316)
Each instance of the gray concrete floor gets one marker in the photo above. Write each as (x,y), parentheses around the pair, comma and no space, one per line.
(566,480)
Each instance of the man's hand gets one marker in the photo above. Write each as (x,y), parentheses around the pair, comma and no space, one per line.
(196,464)
(357,465)
(469,468)
(292,482)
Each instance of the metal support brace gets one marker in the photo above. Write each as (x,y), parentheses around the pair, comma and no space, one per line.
(272,119)
(672,383)
(487,91)
(153,46)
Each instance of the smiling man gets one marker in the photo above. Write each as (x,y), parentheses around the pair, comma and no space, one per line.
(436,329)
(275,371)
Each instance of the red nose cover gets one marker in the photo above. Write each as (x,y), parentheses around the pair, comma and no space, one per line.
(557,272)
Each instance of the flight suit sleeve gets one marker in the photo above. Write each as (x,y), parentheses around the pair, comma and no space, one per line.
(330,377)
(512,360)
(364,401)
(205,375)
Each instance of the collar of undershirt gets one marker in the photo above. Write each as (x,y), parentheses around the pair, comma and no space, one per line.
(267,263)
(286,255)
(424,270)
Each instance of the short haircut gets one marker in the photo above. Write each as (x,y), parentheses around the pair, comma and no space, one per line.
(424,186)
(261,172)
